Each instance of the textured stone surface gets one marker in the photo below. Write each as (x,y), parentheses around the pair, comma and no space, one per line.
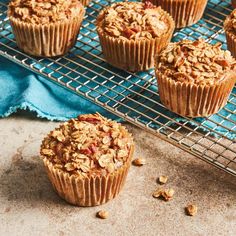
(29,206)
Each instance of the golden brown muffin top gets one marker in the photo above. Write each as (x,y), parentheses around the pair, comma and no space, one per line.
(134,20)
(196,62)
(88,145)
(230,22)
(44,11)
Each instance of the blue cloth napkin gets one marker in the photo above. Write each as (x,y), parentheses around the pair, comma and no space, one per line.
(21,89)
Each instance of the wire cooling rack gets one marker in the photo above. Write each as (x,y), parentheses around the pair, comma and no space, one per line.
(134,97)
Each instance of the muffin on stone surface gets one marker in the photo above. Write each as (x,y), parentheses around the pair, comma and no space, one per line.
(45,28)
(87,159)
(184,12)
(131,33)
(195,78)
(230,32)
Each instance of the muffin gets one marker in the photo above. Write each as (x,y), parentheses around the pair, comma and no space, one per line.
(195,78)
(131,33)
(87,159)
(230,32)
(184,12)
(45,28)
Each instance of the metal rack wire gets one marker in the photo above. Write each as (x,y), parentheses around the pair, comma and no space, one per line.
(134,97)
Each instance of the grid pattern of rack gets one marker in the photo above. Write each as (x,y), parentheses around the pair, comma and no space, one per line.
(134,97)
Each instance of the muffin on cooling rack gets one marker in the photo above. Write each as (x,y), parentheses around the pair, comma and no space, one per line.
(195,78)
(184,12)
(45,28)
(87,159)
(131,33)
(230,31)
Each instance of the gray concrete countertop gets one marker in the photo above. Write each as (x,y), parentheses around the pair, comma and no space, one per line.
(29,206)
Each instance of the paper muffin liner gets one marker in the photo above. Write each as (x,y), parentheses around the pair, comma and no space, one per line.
(231,42)
(85,2)
(193,100)
(133,55)
(88,191)
(184,12)
(46,40)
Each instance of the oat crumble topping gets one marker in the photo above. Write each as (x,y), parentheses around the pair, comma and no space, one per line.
(195,62)
(90,144)
(230,22)
(133,20)
(44,11)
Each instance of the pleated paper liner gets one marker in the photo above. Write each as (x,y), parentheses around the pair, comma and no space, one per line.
(50,40)
(184,12)
(133,55)
(231,42)
(192,100)
(88,191)
(85,2)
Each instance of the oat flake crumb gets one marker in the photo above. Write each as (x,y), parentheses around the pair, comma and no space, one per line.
(103,214)
(163,179)
(165,194)
(139,162)
(191,210)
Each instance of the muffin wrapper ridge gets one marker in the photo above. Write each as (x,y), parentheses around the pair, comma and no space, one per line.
(85,2)
(184,12)
(133,55)
(231,42)
(194,100)
(46,40)
(88,191)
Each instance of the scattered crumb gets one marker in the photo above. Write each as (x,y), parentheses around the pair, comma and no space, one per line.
(191,210)
(139,162)
(102,214)
(157,193)
(166,194)
(163,179)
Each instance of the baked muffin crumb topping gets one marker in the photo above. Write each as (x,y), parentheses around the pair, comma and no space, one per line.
(44,12)
(195,62)
(133,20)
(90,144)
(230,22)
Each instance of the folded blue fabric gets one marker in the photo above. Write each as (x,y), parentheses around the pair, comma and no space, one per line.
(21,89)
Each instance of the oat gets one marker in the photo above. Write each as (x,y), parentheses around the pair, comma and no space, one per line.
(44,12)
(157,193)
(163,179)
(132,20)
(166,194)
(139,162)
(88,143)
(191,210)
(195,62)
(102,214)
